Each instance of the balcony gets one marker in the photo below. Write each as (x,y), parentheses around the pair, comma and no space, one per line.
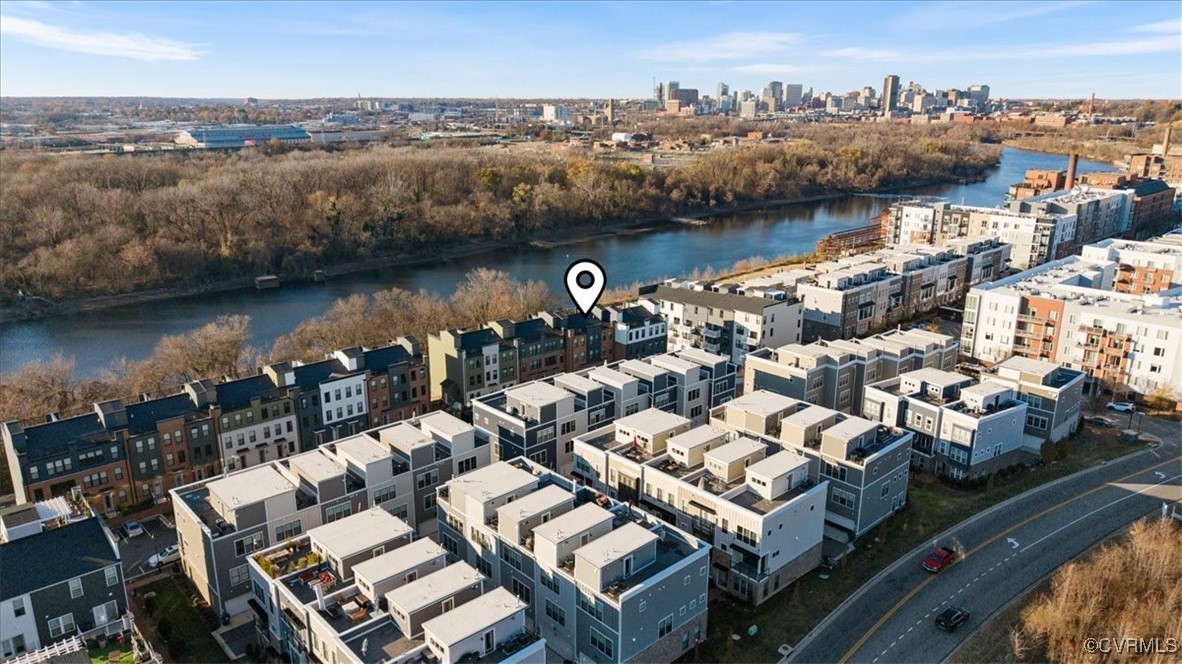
(712,332)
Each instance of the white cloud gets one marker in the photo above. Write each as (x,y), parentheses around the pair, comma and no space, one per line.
(135,46)
(860,53)
(1168,44)
(971,15)
(728,46)
(1169,26)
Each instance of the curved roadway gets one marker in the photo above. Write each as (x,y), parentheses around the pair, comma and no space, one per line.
(1006,550)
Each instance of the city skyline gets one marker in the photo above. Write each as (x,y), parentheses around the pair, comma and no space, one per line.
(582,50)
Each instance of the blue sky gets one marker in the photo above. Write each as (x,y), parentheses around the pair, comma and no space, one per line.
(294,50)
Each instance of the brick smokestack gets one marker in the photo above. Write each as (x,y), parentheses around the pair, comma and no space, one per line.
(1072,163)
(1165,144)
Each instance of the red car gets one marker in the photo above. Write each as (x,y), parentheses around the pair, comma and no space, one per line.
(939,559)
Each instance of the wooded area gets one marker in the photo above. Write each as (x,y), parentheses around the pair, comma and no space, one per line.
(84,225)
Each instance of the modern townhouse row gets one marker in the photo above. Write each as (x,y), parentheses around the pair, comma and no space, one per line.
(221,522)
(540,419)
(834,373)
(718,319)
(1039,228)
(470,363)
(61,581)
(764,482)
(361,590)
(601,580)
(125,453)
(1075,312)
(966,428)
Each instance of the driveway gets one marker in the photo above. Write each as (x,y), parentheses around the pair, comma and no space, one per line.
(136,550)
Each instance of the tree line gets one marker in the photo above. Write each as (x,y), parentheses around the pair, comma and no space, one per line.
(85,225)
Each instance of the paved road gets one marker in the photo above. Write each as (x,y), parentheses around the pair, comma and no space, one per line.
(1006,551)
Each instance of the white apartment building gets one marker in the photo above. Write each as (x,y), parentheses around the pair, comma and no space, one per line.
(1069,312)
(724,323)
(1034,238)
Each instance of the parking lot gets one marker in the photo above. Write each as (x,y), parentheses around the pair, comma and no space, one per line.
(137,550)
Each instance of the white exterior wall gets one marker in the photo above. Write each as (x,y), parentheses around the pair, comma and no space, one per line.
(228,449)
(26,625)
(354,386)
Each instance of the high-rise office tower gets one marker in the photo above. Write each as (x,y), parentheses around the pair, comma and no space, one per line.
(723,89)
(890,93)
(793,95)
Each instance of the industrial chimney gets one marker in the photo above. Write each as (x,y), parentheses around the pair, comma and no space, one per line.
(1072,163)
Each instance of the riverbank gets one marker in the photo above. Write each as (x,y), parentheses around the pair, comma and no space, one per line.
(554,238)
(1108,152)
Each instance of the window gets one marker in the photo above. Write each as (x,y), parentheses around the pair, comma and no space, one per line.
(602,643)
(429,502)
(61,625)
(75,588)
(696,411)
(239,575)
(13,646)
(288,530)
(248,544)
(520,589)
(338,512)
(539,457)
(549,581)
(1036,422)
(693,394)
(568,427)
(886,489)
(546,435)
(466,465)
(384,494)
(553,612)
(18,606)
(590,604)
(428,478)
(112,576)
(665,626)
(843,498)
(513,557)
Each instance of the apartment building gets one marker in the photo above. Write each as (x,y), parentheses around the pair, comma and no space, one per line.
(1069,312)
(722,322)
(1142,267)
(1152,200)
(60,583)
(540,419)
(600,580)
(1053,395)
(864,464)
(1099,213)
(1034,238)
(963,429)
(755,503)
(221,522)
(833,373)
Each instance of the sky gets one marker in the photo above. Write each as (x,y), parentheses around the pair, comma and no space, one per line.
(274,50)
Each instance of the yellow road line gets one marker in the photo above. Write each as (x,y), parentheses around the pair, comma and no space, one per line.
(894,609)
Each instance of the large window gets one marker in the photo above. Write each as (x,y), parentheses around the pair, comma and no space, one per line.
(61,626)
(520,589)
(466,465)
(843,498)
(288,530)
(239,575)
(338,512)
(555,613)
(428,478)
(248,544)
(602,643)
(384,494)
(1036,421)
(665,626)
(549,580)
(75,588)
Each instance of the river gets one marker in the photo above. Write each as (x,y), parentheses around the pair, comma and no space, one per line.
(95,339)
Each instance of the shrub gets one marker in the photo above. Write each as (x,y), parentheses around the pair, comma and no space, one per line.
(164,627)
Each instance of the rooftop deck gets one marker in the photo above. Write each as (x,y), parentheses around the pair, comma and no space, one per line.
(760,505)
(381,642)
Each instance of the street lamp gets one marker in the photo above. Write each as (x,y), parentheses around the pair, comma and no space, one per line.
(154,544)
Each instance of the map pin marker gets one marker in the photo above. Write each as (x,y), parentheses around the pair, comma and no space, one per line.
(584,282)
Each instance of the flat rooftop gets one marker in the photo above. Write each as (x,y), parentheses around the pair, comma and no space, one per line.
(493,481)
(359,532)
(807,417)
(701,357)
(398,561)
(673,363)
(542,500)
(641,369)
(445,424)
(733,451)
(850,427)
(615,545)
(250,486)
(777,465)
(381,642)
(362,449)
(651,421)
(405,436)
(934,376)
(576,383)
(763,403)
(610,377)
(581,518)
(315,466)
(696,436)
(434,587)
(538,393)
(473,617)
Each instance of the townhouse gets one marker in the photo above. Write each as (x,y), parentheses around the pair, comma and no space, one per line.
(637,332)
(1053,395)
(220,522)
(62,584)
(963,429)
(833,373)
(540,419)
(600,580)
(720,322)
(1071,312)
(864,464)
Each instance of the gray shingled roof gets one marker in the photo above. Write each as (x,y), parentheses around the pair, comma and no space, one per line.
(54,556)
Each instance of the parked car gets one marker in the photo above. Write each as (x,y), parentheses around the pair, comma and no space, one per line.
(1102,422)
(1121,406)
(170,554)
(951,618)
(132,529)
(939,559)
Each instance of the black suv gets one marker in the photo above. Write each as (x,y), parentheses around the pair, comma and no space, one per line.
(952,618)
